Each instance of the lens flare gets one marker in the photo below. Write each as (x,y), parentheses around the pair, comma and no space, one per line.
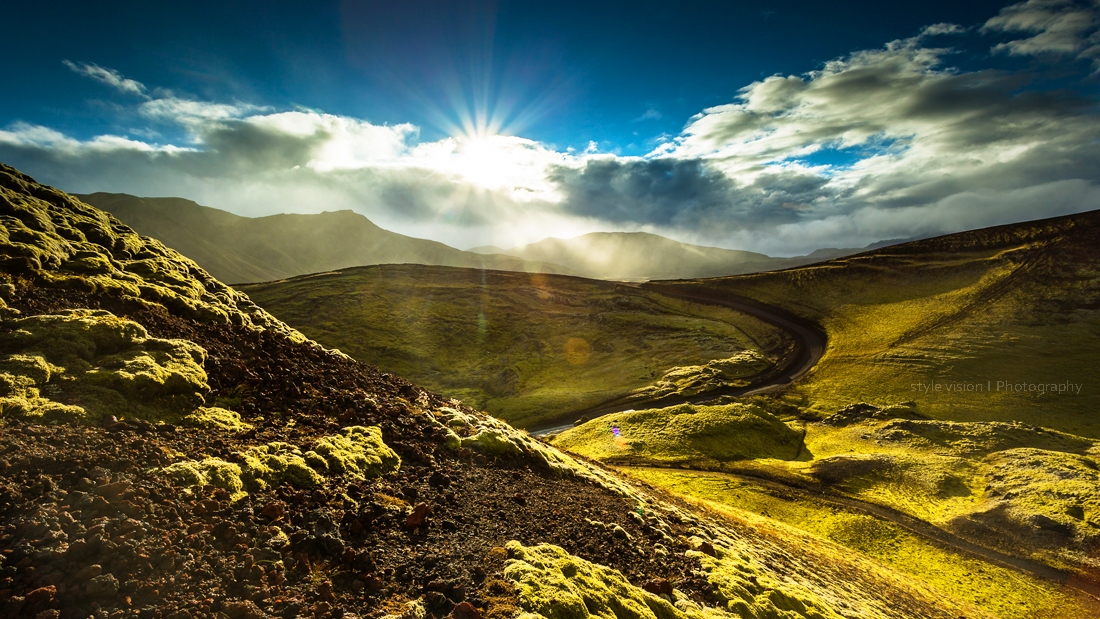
(618,439)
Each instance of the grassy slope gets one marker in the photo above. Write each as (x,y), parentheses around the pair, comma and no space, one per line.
(258,249)
(997,590)
(520,346)
(1016,305)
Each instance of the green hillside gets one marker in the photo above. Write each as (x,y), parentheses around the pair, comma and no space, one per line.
(529,348)
(1000,324)
(958,389)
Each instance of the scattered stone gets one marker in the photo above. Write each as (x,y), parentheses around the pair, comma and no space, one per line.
(243,610)
(90,571)
(465,610)
(102,586)
(38,600)
(436,601)
(274,510)
(419,516)
(658,586)
(110,491)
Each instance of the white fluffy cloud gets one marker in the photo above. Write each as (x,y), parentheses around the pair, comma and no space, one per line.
(907,134)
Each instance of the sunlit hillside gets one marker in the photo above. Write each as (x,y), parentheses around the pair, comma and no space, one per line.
(527,348)
(1000,324)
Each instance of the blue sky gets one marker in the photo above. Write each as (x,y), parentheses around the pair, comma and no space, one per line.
(773,126)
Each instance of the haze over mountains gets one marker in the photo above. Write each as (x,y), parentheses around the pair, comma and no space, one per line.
(641,255)
(258,249)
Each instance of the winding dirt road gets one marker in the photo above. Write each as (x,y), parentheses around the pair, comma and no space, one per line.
(809,346)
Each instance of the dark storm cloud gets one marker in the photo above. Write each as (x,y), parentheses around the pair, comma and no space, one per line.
(685,193)
(238,147)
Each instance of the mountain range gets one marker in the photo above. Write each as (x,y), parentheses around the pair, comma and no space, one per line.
(258,249)
(642,256)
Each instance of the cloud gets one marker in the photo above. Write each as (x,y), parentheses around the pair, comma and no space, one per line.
(650,114)
(107,76)
(925,130)
(303,161)
(1063,27)
(688,194)
(941,29)
(174,109)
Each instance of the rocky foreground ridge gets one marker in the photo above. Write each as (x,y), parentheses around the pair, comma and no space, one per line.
(168,449)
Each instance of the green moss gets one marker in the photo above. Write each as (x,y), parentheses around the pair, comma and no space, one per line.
(212,471)
(552,583)
(727,432)
(83,365)
(61,241)
(275,463)
(358,453)
(215,417)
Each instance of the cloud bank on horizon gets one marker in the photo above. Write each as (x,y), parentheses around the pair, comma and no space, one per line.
(881,143)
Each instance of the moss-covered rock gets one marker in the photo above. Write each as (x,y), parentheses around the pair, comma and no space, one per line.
(747,591)
(213,471)
(553,584)
(692,380)
(216,417)
(83,365)
(358,453)
(686,431)
(492,442)
(59,241)
(274,463)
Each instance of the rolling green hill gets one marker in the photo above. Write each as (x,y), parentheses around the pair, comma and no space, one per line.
(999,324)
(528,348)
(959,387)
(256,249)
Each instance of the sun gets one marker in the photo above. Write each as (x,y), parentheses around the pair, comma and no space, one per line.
(485,160)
